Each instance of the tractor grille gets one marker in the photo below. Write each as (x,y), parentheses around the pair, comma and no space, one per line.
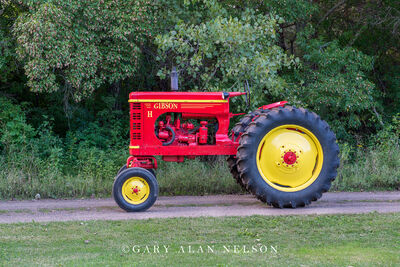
(136,126)
(136,136)
(136,116)
(136,121)
(136,106)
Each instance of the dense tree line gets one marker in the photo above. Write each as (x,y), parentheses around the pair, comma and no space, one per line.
(66,67)
(340,58)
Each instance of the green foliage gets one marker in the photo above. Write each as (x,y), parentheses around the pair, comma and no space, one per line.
(38,161)
(79,45)
(346,69)
(6,54)
(11,76)
(374,166)
(333,82)
(371,168)
(290,10)
(14,129)
(31,157)
(194,177)
(372,28)
(389,135)
(7,47)
(225,52)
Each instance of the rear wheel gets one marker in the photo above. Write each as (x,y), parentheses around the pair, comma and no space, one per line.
(288,157)
(135,189)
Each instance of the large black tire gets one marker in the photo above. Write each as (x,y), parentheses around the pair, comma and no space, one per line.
(247,153)
(127,174)
(238,129)
(123,168)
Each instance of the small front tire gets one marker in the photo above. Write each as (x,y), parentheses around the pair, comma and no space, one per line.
(135,189)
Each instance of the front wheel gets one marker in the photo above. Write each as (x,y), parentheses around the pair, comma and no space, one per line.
(135,189)
(288,157)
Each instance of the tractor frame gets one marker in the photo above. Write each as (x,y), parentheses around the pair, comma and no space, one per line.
(147,130)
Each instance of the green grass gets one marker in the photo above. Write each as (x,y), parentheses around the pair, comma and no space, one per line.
(191,177)
(15,211)
(369,169)
(329,240)
(194,177)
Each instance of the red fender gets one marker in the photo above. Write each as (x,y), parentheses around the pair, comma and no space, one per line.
(274,105)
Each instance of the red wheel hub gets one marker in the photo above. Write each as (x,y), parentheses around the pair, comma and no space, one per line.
(290,158)
(135,190)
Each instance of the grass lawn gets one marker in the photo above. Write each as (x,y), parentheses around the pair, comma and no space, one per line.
(330,240)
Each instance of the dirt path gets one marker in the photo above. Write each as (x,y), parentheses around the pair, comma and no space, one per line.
(192,206)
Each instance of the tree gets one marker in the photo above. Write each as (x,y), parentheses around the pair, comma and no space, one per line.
(333,81)
(76,46)
(226,52)
(9,68)
(372,27)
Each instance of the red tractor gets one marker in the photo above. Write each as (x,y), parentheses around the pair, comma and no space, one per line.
(285,156)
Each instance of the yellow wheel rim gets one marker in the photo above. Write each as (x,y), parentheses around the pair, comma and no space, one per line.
(135,190)
(289,158)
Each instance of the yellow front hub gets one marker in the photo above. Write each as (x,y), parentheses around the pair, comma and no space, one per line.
(135,190)
(289,158)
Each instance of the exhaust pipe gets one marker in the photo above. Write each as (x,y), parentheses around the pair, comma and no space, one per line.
(174,80)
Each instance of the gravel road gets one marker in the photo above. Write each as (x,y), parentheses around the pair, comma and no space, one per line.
(192,206)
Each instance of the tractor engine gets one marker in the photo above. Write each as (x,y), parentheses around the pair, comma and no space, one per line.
(174,132)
